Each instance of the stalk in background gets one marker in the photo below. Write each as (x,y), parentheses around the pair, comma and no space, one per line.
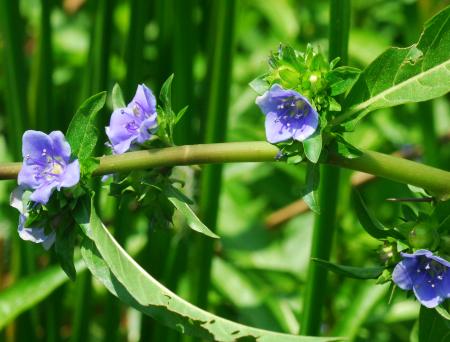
(217,97)
(324,225)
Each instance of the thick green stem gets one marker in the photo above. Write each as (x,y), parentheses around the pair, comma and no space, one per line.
(324,224)
(382,165)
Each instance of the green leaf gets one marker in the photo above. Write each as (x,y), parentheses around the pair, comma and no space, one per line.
(313,146)
(64,248)
(180,201)
(82,134)
(124,278)
(310,193)
(117,97)
(29,291)
(370,224)
(341,79)
(443,312)
(432,327)
(345,149)
(181,114)
(418,73)
(166,94)
(351,271)
(408,212)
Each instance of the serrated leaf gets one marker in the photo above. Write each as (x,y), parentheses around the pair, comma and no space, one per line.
(117,97)
(180,201)
(310,192)
(351,271)
(418,73)
(370,224)
(313,146)
(31,290)
(123,277)
(82,134)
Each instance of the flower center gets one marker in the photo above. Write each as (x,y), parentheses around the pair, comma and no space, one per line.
(57,169)
(132,126)
(435,270)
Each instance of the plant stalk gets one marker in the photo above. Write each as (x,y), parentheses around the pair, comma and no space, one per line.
(378,164)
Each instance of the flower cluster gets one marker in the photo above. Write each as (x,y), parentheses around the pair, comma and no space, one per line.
(135,123)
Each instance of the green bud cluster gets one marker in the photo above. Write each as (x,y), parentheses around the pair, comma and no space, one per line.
(311,75)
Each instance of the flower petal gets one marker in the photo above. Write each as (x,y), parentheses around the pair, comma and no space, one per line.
(118,133)
(308,125)
(427,294)
(271,99)
(71,175)
(145,99)
(34,143)
(36,235)
(276,131)
(60,145)
(15,200)
(144,129)
(27,176)
(403,273)
(43,193)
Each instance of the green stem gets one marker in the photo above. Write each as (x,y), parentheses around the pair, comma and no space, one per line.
(382,165)
(324,224)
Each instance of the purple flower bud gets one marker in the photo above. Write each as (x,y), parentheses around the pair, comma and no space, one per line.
(288,115)
(36,235)
(135,123)
(46,164)
(426,274)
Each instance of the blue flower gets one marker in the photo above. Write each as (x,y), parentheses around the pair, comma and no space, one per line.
(47,164)
(288,115)
(135,123)
(36,235)
(426,274)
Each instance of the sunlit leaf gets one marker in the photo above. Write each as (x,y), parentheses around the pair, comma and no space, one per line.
(418,73)
(109,262)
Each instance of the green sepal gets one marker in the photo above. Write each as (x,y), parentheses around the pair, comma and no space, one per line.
(117,97)
(260,85)
(313,146)
(351,271)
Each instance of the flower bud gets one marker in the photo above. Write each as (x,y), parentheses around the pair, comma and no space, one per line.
(290,78)
(423,236)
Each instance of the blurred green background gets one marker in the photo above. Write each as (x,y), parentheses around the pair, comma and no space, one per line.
(54,54)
